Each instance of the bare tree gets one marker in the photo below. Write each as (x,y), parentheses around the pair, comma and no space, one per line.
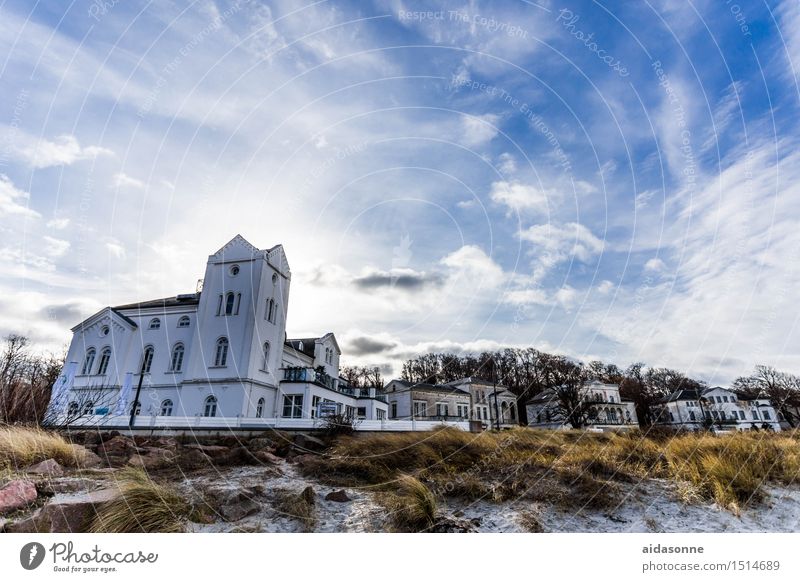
(782,389)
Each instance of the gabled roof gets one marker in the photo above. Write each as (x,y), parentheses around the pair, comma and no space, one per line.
(307,343)
(177,301)
(235,247)
(447,388)
(476,380)
(683,395)
(106,312)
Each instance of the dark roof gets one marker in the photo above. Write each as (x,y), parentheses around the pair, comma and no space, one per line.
(177,301)
(308,345)
(125,317)
(431,387)
(683,395)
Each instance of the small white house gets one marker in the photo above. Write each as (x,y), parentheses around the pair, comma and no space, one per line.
(604,408)
(221,352)
(718,408)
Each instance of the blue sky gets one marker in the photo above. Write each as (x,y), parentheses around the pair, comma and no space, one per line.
(604,181)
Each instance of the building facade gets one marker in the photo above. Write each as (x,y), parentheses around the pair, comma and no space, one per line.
(220,352)
(464,399)
(604,409)
(717,408)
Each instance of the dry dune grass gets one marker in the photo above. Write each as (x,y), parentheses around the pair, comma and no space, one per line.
(569,468)
(21,446)
(143,506)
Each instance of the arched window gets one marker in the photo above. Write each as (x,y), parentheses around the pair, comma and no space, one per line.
(266,356)
(155,323)
(230,299)
(504,408)
(88,361)
(105,358)
(136,408)
(271,310)
(184,321)
(211,406)
(147,359)
(73,409)
(176,363)
(692,415)
(166,408)
(88,408)
(513,410)
(260,408)
(221,357)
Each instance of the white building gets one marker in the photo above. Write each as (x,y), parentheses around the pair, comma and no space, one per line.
(603,406)
(464,399)
(716,407)
(221,352)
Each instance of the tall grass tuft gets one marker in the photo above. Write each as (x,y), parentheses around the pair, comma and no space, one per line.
(143,506)
(21,446)
(412,506)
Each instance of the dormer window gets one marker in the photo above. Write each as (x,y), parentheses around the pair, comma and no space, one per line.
(155,323)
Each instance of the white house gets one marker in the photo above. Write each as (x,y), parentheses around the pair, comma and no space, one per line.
(463,399)
(604,409)
(716,407)
(221,352)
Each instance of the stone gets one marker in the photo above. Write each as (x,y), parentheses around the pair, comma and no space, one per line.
(88,460)
(261,443)
(339,496)
(67,513)
(216,453)
(57,485)
(50,467)
(267,457)
(153,459)
(193,459)
(233,504)
(16,495)
(118,446)
(304,460)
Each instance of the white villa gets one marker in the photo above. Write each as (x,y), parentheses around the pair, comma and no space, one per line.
(716,407)
(220,353)
(466,399)
(606,409)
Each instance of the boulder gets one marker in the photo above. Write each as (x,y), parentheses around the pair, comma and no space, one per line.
(339,496)
(16,495)
(261,443)
(217,453)
(117,447)
(233,504)
(65,513)
(88,460)
(309,495)
(50,467)
(267,457)
(153,459)
(193,459)
(54,486)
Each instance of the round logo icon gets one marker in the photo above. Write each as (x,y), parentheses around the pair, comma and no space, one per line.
(31,555)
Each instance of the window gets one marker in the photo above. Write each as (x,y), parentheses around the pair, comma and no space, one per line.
(671,417)
(315,400)
(221,357)
(381,414)
(136,408)
(155,323)
(503,408)
(211,406)
(219,305)
(234,270)
(442,409)
(463,410)
(362,412)
(104,331)
(176,363)
(724,398)
(327,355)
(184,321)
(166,408)
(105,358)
(513,411)
(88,361)
(733,398)
(692,415)
(266,357)
(741,415)
(238,303)
(419,408)
(293,406)
(88,408)
(147,359)
(229,301)
(765,414)
(394,410)
(612,415)
(611,399)
(260,408)
(755,414)
(73,409)
(274,278)
(271,311)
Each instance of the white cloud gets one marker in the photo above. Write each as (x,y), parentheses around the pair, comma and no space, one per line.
(55,247)
(655,265)
(116,250)
(58,223)
(605,287)
(479,130)
(554,244)
(518,196)
(62,151)
(471,262)
(122,180)
(13,200)
(566,296)
(527,297)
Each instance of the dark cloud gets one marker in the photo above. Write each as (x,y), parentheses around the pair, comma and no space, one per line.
(406,281)
(364,346)
(66,312)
